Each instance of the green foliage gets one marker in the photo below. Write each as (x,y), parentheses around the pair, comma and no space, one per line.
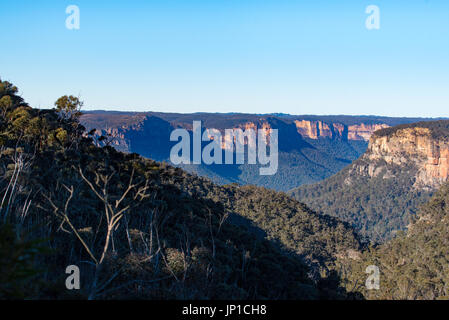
(377,207)
(69,107)
(174,237)
(413,265)
(319,239)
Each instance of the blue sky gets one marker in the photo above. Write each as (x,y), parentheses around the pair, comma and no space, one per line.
(298,57)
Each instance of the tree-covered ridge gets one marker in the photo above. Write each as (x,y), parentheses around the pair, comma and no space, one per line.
(414,265)
(377,207)
(229,120)
(137,228)
(438,129)
(319,239)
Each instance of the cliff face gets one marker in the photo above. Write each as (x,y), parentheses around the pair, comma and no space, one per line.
(364,131)
(320,129)
(412,147)
(120,135)
(379,192)
(155,133)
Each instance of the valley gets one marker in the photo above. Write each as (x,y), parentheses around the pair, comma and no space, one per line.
(311,148)
(138,228)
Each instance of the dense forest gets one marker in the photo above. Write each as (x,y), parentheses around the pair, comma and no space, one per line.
(318,238)
(377,207)
(137,228)
(414,265)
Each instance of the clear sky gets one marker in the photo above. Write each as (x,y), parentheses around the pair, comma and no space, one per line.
(265,56)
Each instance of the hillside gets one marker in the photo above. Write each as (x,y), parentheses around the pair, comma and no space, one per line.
(141,229)
(318,239)
(311,148)
(415,265)
(379,192)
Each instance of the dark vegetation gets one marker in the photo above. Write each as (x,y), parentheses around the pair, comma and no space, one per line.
(377,207)
(317,238)
(309,165)
(413,265)
(141,229)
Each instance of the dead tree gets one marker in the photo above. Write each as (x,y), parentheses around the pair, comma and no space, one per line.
(115,206)
(14,189)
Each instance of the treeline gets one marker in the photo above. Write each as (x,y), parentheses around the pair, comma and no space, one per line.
(438,129)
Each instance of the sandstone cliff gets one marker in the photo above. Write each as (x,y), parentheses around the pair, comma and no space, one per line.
(319,129)
(379,192)
(411,147)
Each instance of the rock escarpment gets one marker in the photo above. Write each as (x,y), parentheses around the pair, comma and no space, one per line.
(311,148)
(379,192)
(319,129)
(409,147)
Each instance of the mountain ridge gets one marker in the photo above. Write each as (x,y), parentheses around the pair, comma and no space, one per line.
(305,156)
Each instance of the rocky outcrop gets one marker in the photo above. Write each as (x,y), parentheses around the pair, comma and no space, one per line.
(364,131)
(308,129)
(228,141)
(414,147)
(380,191)
(320,129)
